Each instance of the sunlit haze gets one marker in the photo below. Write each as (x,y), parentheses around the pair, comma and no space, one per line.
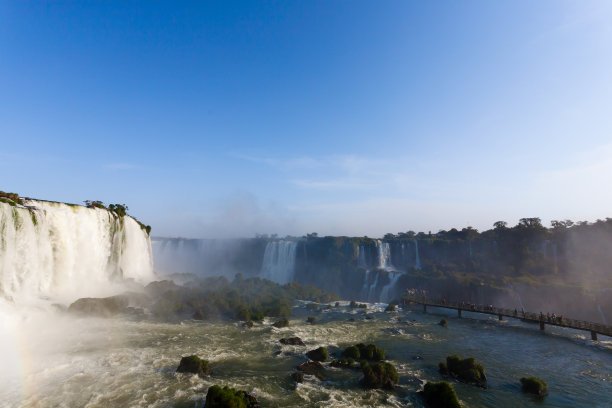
(342,118)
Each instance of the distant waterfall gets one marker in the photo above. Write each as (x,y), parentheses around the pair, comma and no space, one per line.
(386,290)
(384,255)
(365,290)
(417,260)
(279,261)
(601,313)
(62,252)
(373,286)
(361,257)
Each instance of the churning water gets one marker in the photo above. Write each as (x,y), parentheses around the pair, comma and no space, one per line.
(131,362)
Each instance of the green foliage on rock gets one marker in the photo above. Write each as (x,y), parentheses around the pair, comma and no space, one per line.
(379,375)
(242,299)
(281,323)
(466,370)
(195,365)
(534,385)
(319,354)
(361,351)
(440,395)
(345,362)
(227,397)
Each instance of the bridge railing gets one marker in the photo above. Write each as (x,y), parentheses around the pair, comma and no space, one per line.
(557,320)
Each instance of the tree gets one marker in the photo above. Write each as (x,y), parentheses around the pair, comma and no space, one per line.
(500,224)
(532,223)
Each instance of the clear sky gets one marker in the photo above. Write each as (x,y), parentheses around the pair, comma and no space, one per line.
(345,118)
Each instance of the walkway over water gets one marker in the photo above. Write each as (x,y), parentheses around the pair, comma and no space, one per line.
(543,320)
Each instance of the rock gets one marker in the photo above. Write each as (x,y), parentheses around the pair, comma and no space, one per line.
(534,385)
(247,325)
(319,354)
(194,365)
(297,377)
(443,323)
(159,288)
(417,357)
(343,363)
(226,397)
(293,341)
(281,323)
(311,320)
(379,375)
(313,368)
(102,307)
(466,370)
(361,351)
(440,395)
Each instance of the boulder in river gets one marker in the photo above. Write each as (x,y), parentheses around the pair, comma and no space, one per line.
(440,395)
(319,354)
(313,368)
(467,370)
(101,307)
(292,341)
(534,385)
(195,365)
(379,375)
(227,397)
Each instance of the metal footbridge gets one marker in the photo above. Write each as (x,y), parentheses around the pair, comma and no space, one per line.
(543,320)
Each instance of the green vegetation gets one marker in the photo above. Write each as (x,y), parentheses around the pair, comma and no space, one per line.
(242,299)
(392,306)
(440,395)
(11,199)
(319,354)
(362,351)
(281,323)
(379,375)
(343,362)
(354,305)
(443,323)
(466,370)
(194,365)
(226,397)
(534,385)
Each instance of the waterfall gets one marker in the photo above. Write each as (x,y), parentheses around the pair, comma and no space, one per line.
(417,260)
(385,292)
(373,286)
(62,252)
(361,258)
(365,290)
(384,255)
(279,261)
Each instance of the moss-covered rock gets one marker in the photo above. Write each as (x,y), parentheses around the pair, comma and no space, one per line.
(361,351)
(293,341)
(440,395)
(247,325)
(311,320)
(379,375)
(297,377)
(226,397)
(281,323)
(319,354)
(443,323)
(346,362)
(102,307)
(313,368)
(534,385)
(194,364)
(466,370)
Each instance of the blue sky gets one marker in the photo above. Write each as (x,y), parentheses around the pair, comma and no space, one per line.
(345,118)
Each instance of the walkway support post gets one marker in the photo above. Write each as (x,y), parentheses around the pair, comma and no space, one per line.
(541,325)
(424,308)
(501,317)
(459,312)
(593,336)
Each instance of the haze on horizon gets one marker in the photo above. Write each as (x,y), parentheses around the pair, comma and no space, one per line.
(344,118)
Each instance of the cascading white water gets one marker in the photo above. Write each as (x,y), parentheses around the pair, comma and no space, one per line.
(385,293)
(373,286)
(417,260)
(279,261)
(62,252)
(365,291)
(601,313)
(361,258)
(384,255)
